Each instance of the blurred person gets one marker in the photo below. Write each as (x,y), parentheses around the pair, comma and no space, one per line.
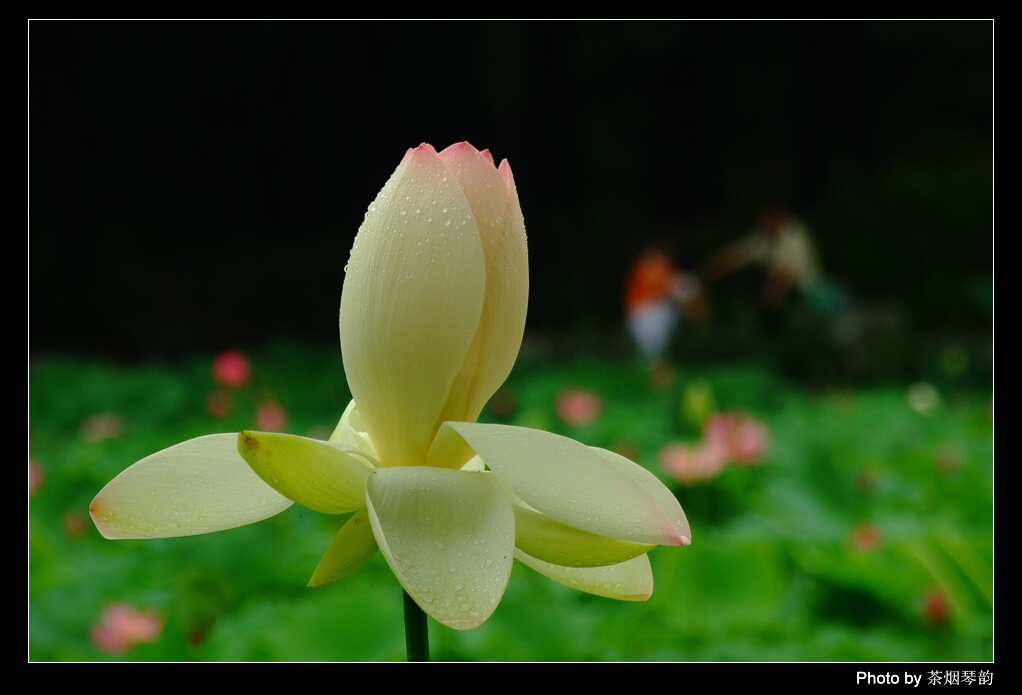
(657,296)
(828,328)
(782,248)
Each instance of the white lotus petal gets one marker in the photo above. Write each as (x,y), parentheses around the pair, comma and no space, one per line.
(447,535)
(351,548)
(551,541)
(662,497)
(631,580)
(411,304)
(494,202)
(319,475)
(198,486)
(575,485)
(449,450)
(351,432)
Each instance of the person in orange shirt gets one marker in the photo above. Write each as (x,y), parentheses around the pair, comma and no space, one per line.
(657,295)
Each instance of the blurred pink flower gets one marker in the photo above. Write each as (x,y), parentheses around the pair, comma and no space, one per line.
(936,609)
(102,426)
(218,404)
(121,627)
(736,437)
(691,464)
(36,476)
(865,538)
(271,417)
(76,522)
(727,438)
(578,408)
(232,369)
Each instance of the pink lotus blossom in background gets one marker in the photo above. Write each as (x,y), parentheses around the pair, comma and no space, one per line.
(231,369)
(122,627)
(936,609)
(578,408)
(36,476)
(76,523)
(727,438)
(739,438)
(691,464)
(271,417)
(102,426)
(218,404)
(865,538)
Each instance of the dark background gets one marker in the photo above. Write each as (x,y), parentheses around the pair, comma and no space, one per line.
(197,185)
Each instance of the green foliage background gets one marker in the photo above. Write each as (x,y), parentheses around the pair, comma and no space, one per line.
(774,572)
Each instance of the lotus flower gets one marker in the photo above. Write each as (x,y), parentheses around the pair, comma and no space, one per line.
(271,416)
(231,369)
(432,316)
(691,464)
(578,408)
(736,438)
(122,627)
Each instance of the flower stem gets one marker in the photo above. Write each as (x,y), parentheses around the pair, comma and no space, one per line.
(416,634)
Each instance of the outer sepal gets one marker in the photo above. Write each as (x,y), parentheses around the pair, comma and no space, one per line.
(351,548)
(322,476)
(551,541)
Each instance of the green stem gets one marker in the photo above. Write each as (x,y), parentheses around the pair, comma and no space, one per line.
(416,634)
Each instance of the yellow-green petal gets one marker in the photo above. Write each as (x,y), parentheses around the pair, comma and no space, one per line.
(319,475)
(579,486)
(411,304)
(448,536)
(351,548)
(631,580)
(551,541)
(199,486)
